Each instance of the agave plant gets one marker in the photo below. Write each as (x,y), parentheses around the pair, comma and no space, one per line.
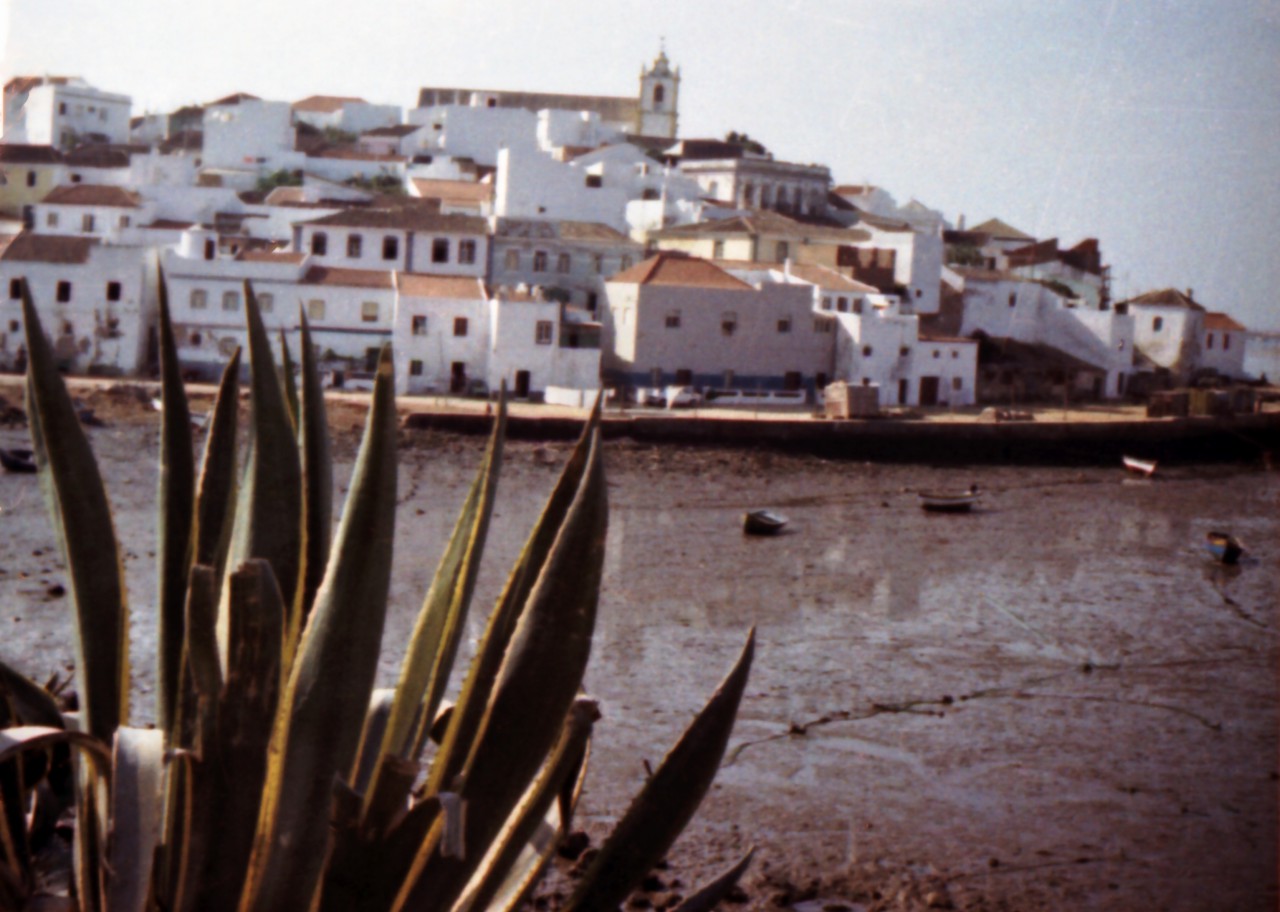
(277,777)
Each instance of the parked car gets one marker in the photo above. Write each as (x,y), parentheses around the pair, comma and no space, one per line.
(682,397)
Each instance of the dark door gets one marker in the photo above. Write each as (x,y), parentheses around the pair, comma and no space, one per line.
(458,377)
(522,384)
(904,389)
(928,390)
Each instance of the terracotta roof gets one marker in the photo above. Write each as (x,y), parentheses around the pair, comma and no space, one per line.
(103,155)
(1001,231)
(592,231)
(233,99)
(1166,297)
(405,218)
(669,268)
(453,190)
(765,221)
(48,248)
(350,278)
(273,256)
(24,154)
(421,285)
(93,195)
(1221,322)
(829,279)
(325,104)
(21,84)
(396,130)
(879,221)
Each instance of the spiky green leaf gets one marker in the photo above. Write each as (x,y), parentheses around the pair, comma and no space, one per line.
(137,763)
(317,473)
(215,502)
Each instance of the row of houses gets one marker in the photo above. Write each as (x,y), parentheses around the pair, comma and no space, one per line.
(547,241)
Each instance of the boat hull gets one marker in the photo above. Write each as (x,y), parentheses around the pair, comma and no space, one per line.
(762,522)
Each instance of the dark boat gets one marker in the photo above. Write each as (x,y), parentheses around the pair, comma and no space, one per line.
(762,522)
(1224,547)
(20,461)
(936,502)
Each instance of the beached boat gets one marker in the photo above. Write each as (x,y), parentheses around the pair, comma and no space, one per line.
(937,502)
(1224,547)
(1144,467)
(762,522)
(21,461)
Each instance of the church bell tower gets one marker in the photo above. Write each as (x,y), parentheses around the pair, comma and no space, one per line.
(659,96)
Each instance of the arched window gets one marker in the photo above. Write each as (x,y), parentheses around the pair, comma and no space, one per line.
(659,95)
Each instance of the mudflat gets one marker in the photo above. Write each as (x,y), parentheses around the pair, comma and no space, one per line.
(1054,701)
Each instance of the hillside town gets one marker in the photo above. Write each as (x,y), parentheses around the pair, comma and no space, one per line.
(556,244)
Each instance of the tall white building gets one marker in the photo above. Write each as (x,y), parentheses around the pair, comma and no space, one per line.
(63,111)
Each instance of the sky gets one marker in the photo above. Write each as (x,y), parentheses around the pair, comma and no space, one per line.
(1152,125)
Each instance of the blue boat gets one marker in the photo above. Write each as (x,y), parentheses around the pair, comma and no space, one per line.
(1224,547)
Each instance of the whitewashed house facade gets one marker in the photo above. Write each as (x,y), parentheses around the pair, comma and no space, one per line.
(62,111)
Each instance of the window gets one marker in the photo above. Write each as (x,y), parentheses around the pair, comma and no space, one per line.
(866,351)
(673,319)
(857,305)
(937,354)
(125,221)
(319,244)
(821,325)
(86,222)
(828,304)
(315,309)
(440,250)
(64,292)
(369,312)
(512,259)
(594,181)
(539,261)
(626,263)
(390,247)
(15,289)
(1226,341)
(1013,299)
(459,326)
(51,220)
(784,251)
(210,248)
(266,303)
(955,353)
(62,107)
(1209,341)
(728,323)
(195,340)
(415,368)
(544,332)
(784,325)
(717,250)
(957,383)
(659,93)
(418,326)
(1157,324)
(231,300)
(562,263)
(593,301)
(355,244)
(791,380)
(113,291)
(31,178)
(842,304)
(199,299)
(466,251)
(904,351)
(597,263)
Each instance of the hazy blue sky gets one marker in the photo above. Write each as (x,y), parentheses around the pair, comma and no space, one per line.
(1153,126)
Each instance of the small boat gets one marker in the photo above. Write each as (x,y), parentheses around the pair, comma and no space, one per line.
(1224,547)
(762,522)
(20,461)
(1144,467)
(935,502)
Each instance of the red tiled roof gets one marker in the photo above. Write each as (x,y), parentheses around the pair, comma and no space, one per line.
(421,285)
(233,99)
(21,84)
(48,248)
(1166,297)
(1001,231)
(829,279)
(24,154)
(325,104)
(405,218)
(453,190)
(1221,322)
(93,195)
(669,268)
(350,278)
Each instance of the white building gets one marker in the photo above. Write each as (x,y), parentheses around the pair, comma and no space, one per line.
(1262,355)
(1168,330)
(746,180)
(63,111)
(349,115)
(531,184)
(408,238)
(245,133)
(97,302)
(91,210)
(571,258)
(1222,347)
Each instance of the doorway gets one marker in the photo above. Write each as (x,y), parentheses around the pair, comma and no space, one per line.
(522,384)
(928,390)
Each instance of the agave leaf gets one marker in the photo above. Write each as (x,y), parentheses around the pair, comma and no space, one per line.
(327,696)
(536,686)
(136,812)
(478,686)
(666,803)
(433,645)
(32,704)
(23,738)
(528,840)
(375,725)
(268,516)
(215,504)
(176,499)
(82,519)
(288,382)
(317,473)
(709,896)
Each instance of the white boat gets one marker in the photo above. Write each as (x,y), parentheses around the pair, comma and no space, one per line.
(936,502)
(1144,467)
